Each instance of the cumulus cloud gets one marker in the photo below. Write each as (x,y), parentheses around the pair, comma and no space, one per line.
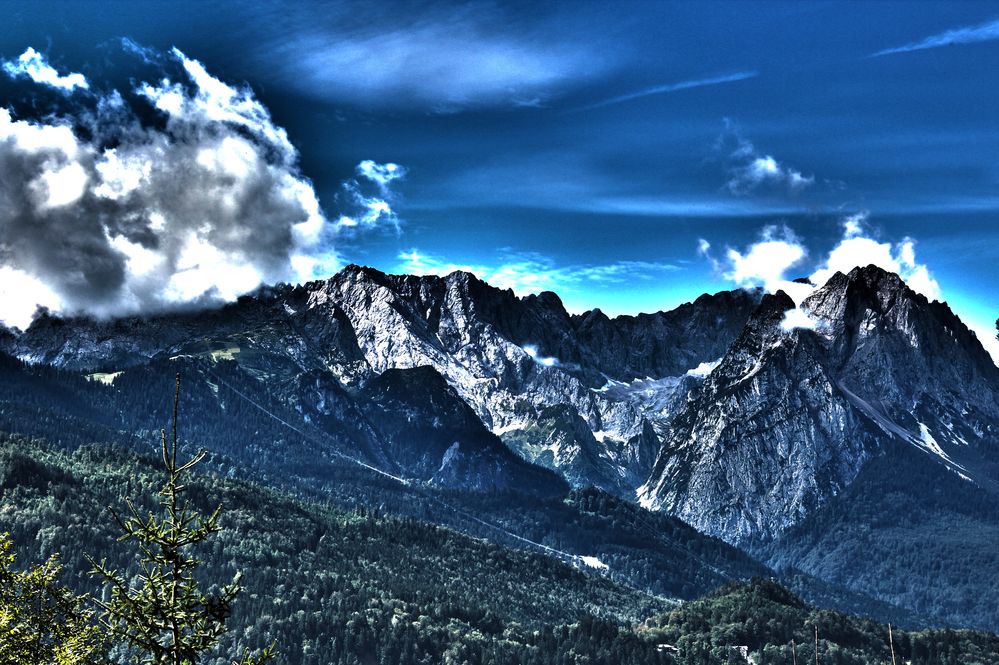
(366,198)
(33,65)
(984,32)
(749,169)
(768,263)
(856,249)
(205,203)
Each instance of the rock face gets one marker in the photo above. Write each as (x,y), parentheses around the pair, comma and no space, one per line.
(716,411)
(789,417)
(586,396)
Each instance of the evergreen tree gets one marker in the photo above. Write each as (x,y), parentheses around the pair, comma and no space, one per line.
(42,622)
(165,616)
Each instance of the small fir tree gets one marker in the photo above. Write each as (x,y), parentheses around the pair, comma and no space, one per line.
(164,615)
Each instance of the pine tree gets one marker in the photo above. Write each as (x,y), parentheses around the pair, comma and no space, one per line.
(42,622)
(166,617)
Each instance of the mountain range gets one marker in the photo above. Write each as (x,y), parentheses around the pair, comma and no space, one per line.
(852,445)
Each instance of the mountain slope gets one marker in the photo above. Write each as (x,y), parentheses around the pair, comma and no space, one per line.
(762,622)
(509,358)
(328,586)
(790,416)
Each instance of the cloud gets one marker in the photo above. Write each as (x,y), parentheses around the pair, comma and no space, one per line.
(984,32)
(672,87)
(750,169)
(798,318)
(365,209)
(856,250)
(33,65)
(118,216)
(767,262)
(380,174)
(546,361)
(528,272)
(447,60)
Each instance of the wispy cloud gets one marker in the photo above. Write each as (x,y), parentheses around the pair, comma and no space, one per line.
(984,32)
(33,65)
(452,58)
(672,87)
(530,272)
(366,200)
(750,169)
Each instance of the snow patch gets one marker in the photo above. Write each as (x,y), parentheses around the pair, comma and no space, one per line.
(702,370)
(594,562)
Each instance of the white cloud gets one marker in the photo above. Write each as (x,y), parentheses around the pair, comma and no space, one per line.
(21,295)
(205,206)
(33,65)
(765,263)
(381,174)
(750,169)
(366,207)
(546,361)
(764,170)
(856,250)
(673,87)
(798,318)
(528,272)
(984,32)
(452,58)
(853,225)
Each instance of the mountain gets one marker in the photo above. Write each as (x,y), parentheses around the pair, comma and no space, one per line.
(789,417)
(512,360)
(766,435)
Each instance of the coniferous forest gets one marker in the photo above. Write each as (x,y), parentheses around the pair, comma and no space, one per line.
(324,584)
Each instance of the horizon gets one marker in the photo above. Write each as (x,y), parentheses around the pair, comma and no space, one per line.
(627,161)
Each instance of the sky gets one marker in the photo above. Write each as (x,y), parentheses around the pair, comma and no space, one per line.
(628,155)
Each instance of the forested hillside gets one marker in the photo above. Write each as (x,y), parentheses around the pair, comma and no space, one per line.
(334,586)
(330,586)
(775,626)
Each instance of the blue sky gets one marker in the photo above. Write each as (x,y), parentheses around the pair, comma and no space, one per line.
(594,149)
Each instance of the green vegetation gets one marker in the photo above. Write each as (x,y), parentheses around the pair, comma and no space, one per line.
(936,556)
(356,587)
(325,585)
(766,619)
(41,621)
(165,617)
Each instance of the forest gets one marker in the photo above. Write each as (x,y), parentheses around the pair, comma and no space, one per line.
(325,584)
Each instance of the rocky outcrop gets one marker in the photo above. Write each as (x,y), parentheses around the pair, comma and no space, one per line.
(790,416)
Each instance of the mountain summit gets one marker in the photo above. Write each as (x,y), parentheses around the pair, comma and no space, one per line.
(789,417)
(718,411)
